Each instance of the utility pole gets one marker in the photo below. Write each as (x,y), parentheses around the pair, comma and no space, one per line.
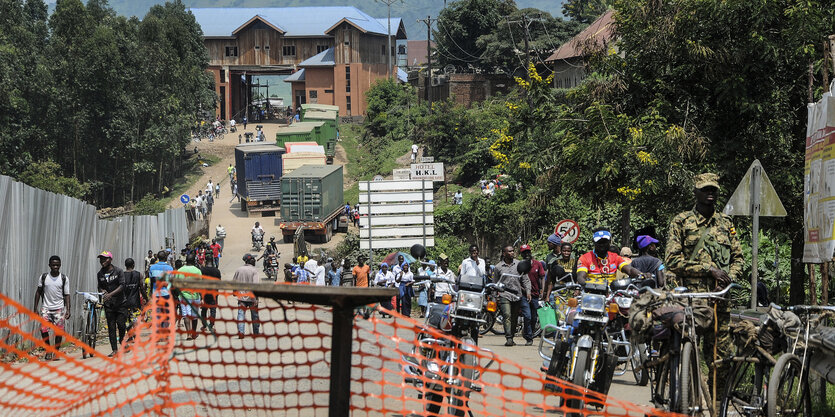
(428,89)
(388,35)
(525,23)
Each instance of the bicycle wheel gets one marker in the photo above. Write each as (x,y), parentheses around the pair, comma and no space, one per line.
(692,400)
(637,360)
(743,395)
(788,395)
(661,387)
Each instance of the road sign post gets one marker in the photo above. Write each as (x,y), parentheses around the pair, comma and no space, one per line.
(755,197)
(568,230)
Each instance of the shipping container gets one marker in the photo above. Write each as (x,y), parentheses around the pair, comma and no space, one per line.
(290,146)
(294,133)
(292,161)
(312,198)
(259,169)
(318,107)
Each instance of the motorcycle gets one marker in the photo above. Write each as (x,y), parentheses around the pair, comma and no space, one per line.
(271,266)
(444,363)
(621,293)
(257,241)
(583,348)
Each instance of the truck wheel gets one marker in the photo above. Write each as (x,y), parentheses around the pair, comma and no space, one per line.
(326,237)
(243,206)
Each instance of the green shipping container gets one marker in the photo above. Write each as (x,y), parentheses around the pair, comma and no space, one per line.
(311,193)
(331,122)
(300,132)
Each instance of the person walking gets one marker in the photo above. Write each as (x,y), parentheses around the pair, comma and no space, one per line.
(361,272)
(334,274)
(537,278)
(190,300)
(111,281)
(648,260)
(473,265)
(209,303)
(703,251)
(134,293)
(235,192)
(54,289)
(405,290)
(216,252)
(248,274)
(518,288)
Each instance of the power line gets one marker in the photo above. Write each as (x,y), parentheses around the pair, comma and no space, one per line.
(456,44)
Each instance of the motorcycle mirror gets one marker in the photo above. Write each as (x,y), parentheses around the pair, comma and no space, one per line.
(523,267)
(418,251)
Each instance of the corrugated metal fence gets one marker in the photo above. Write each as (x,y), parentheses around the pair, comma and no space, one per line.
(36,224)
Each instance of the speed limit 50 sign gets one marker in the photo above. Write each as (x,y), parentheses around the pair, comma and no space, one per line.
(569,230)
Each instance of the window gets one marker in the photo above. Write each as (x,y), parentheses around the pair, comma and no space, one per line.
(348,104)
(289,50)
(347,78)
(392,50)
(257,47)
(223,76)
(382,49)
(266,47)
(231,51)
(314,94)
(328,91)
(401,49)
(321,48)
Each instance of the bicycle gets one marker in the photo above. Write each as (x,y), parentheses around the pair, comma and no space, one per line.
(678,385)
(788,384)
(92,307)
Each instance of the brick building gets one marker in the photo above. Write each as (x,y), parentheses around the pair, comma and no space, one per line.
(334,53)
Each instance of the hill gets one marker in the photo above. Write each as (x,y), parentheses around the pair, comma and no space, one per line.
(409,10)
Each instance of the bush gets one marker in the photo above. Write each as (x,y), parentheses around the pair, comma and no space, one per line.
(149,205)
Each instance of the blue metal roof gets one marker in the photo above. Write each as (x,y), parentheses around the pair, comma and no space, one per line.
(322,59)
(402,75)
(294,21)
(296,76)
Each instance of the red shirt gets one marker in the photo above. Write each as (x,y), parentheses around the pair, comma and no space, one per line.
(215,250)
(535,274)
(599,269)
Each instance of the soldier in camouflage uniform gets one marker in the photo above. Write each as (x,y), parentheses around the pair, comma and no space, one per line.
(703,251)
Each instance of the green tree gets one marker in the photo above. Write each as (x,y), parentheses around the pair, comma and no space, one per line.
(585,11)
(460,25)
(504,46)
(46,175)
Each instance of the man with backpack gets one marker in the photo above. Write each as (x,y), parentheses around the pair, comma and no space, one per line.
(134,292)
(54,288)
(111,282)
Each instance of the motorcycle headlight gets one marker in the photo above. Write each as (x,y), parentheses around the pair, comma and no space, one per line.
(593,303)
(470,300)
(623,302)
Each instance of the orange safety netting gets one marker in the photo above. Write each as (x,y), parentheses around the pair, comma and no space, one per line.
(282,370)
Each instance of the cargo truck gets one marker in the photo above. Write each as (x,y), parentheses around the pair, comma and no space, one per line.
(293,161)
(311,199)
(259,170)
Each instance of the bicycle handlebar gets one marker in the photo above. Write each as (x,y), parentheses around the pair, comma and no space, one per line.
(803,308)
(717,294)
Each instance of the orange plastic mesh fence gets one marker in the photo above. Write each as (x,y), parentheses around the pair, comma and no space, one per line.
(284,369)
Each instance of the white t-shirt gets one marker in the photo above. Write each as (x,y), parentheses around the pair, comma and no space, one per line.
(384,279)
(470,267)
(442,288)
(232,122)
(414,148)
(320,275)
(52,297)
(407,277)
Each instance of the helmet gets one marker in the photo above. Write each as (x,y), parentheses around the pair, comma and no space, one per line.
(272,237)
(247,257)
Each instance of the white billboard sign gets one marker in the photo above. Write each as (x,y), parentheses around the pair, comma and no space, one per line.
(401,174)
(430,172)
(396,214)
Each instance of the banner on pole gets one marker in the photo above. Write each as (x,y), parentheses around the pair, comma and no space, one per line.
(819,182)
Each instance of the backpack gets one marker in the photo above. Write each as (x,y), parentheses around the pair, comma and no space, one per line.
(63,282)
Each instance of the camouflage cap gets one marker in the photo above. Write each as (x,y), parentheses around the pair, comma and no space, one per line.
(707,179)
